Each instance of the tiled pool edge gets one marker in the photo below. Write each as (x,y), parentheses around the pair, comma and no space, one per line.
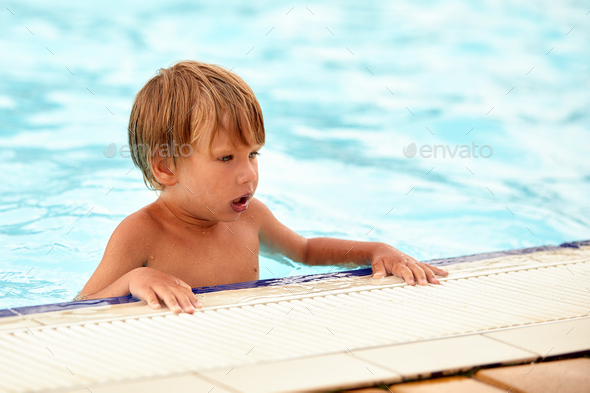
(532,285)
(65,306)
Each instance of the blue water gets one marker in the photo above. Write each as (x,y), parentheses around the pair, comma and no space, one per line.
(345,87)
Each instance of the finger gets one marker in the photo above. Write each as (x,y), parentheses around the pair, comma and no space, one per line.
(429,274)
(407,274)
(168,297)
(182,283)
(189,292)
(151,299)
(379,269)
(438,270)
(419,273)
(193,299)
(434,269)
(197,302)
(184,299)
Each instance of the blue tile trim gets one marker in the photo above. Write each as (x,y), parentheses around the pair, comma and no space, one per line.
(273,281)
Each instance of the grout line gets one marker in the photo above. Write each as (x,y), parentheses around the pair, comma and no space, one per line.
(539,356)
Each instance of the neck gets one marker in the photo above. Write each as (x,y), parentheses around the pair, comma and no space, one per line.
(180,215)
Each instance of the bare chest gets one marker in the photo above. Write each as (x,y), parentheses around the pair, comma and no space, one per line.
(226,255)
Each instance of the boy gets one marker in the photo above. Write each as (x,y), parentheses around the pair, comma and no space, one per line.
(195,130)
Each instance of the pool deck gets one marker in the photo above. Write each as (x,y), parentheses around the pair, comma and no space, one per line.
(493,318)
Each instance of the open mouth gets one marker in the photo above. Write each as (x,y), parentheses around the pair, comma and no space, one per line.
(240,201)
(243,200)
(240,204)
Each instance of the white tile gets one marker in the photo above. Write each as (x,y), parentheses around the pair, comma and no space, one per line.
(282,329)
(549,339)
(181,384)
(17,322)
(328,372)
(447,355)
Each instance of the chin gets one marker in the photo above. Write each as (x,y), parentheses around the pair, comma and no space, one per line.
(233,218)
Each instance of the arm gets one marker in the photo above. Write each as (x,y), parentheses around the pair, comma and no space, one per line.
(329,251)
(276,237)
(118,288)
(121,271)
(324,251)
(382,257)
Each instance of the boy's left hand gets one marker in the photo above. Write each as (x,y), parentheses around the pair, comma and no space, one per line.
(387,259)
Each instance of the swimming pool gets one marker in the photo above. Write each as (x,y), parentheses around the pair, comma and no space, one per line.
(345,91)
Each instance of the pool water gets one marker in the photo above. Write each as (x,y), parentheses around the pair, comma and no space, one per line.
(346,89)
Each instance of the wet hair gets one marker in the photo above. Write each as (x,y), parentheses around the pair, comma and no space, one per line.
(180,104)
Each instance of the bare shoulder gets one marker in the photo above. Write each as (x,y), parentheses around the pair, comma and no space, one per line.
(257,212)
(149,217)
(260,215)
(139,227)
(125,250)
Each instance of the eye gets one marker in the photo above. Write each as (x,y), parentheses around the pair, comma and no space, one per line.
(227,158)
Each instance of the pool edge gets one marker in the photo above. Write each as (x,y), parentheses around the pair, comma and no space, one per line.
(65,306)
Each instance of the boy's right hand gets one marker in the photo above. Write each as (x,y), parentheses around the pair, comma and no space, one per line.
(150,284)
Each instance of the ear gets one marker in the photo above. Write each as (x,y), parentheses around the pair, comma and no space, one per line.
(163,170)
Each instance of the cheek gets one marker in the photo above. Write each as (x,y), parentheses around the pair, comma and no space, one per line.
(215,182)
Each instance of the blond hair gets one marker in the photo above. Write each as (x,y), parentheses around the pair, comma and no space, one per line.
(176,106)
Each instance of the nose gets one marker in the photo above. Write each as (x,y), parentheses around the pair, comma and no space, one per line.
(248,172)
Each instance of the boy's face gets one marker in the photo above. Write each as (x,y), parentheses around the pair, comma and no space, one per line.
(207,185)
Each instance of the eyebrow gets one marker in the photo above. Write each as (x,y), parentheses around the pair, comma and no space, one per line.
(230,148)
